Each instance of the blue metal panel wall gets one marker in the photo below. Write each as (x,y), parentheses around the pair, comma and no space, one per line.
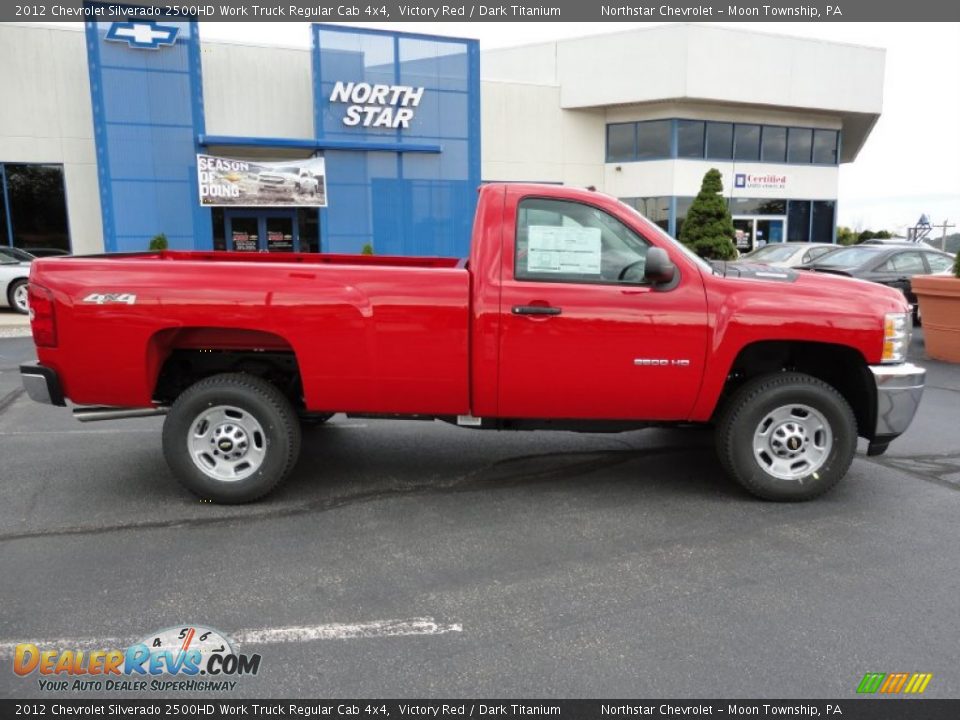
(402,203)
(148,113)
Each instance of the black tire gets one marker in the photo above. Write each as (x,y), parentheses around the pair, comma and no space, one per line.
(752,404)
(265,404)
(12,291)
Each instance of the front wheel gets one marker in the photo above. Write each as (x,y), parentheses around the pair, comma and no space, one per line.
(787,437)
(231,438)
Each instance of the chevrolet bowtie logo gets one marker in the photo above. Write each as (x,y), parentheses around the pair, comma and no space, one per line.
(143,34)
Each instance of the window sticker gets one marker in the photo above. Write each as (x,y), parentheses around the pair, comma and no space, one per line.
(567,250)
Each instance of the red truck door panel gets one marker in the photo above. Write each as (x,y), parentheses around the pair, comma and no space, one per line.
(582,335)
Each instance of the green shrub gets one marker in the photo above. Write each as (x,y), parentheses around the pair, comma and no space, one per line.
(708,228)
(367,249)
(159,242)
(956,266)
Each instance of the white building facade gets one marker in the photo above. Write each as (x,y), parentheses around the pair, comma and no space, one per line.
(640,114)
(644,114)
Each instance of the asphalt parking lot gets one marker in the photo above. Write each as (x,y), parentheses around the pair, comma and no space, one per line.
(527,564)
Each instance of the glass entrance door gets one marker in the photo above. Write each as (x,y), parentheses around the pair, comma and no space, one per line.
(756,231)
(262,230)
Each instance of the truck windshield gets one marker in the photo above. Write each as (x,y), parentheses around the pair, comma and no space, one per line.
(704,265)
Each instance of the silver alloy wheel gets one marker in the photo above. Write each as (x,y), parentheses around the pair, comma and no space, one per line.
(227,443)
(20,298)
(792,441)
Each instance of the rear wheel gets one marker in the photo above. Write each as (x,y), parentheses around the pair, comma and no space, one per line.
(231,438)
(17,296)
(787,437)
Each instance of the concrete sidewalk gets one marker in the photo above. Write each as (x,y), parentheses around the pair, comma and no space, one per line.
(13,324)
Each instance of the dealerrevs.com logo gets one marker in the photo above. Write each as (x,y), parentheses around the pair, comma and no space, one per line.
(191,658)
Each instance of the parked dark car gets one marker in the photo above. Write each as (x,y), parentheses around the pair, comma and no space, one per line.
(891,265)
(48,252)
(789,254)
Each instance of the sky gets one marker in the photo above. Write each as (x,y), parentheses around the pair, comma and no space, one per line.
(909,165)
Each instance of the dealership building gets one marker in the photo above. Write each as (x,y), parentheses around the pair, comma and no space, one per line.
(131,128)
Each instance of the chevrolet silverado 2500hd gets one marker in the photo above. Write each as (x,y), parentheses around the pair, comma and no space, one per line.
(573,312)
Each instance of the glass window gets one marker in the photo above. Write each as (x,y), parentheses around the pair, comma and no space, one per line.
(690,138)
(774,146)
(939,263)
(719,141)
(621,142)
(566,241)
(849,257)
(817,252)
(799,142)
(654,209)
(4,235)
(825,147)
(757,206)
(38,206)
(746,142)
(682,208)
(910,263)
(653,139)
(798,221)
(822,228)
(773,253)
(219,229)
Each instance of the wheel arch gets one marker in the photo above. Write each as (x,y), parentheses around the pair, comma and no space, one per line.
(180,357)
(840,366)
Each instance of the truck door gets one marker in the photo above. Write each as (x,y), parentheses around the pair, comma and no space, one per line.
(583,336)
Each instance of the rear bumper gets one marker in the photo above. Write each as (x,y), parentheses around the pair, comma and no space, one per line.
(899,389)
(42,384)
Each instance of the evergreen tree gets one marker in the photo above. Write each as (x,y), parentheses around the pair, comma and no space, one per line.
(708,227)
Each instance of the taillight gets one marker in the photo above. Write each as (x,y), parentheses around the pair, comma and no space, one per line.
(43,317)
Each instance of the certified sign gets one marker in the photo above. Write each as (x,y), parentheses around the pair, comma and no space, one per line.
(770,181)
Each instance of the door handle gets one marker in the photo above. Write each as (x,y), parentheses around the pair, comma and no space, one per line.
(535,310)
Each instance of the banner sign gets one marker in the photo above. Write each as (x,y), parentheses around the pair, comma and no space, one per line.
(284,183)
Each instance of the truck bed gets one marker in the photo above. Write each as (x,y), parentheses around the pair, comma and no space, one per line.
(370,333)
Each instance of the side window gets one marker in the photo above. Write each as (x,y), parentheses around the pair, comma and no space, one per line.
(938,263)
(812,255)
(563,241)
(910,263)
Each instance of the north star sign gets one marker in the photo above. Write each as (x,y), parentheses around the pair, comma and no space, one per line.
(377,106)
(143,34)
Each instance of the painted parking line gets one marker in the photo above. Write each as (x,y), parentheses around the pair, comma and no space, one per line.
(273,635)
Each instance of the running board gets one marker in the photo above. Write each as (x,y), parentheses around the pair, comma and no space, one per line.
(94,413)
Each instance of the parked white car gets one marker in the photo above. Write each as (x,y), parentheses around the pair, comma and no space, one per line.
(13,281)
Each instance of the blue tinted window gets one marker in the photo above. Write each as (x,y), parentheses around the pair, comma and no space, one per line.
(747,142)
(719,141)
(653,139)
(825,147)
(690,138)
(799,144)
(621,142)
(774,145)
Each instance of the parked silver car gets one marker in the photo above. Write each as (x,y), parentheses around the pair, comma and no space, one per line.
(788,254)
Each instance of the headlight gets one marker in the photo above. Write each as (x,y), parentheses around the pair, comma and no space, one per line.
(896,337)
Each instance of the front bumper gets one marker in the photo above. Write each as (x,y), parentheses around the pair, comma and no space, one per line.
(42,384)
(899,389)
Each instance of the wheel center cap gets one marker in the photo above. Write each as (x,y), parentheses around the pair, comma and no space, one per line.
(793,443)
(225,444)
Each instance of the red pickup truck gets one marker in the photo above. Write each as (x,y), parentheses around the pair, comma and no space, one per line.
(572,312)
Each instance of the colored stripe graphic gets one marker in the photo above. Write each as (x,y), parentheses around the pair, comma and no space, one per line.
(894,683)
(871,682)
(918,683)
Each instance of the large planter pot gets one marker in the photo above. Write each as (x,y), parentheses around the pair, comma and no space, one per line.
(939,297)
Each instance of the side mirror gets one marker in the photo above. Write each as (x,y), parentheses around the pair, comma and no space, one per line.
(659,268)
